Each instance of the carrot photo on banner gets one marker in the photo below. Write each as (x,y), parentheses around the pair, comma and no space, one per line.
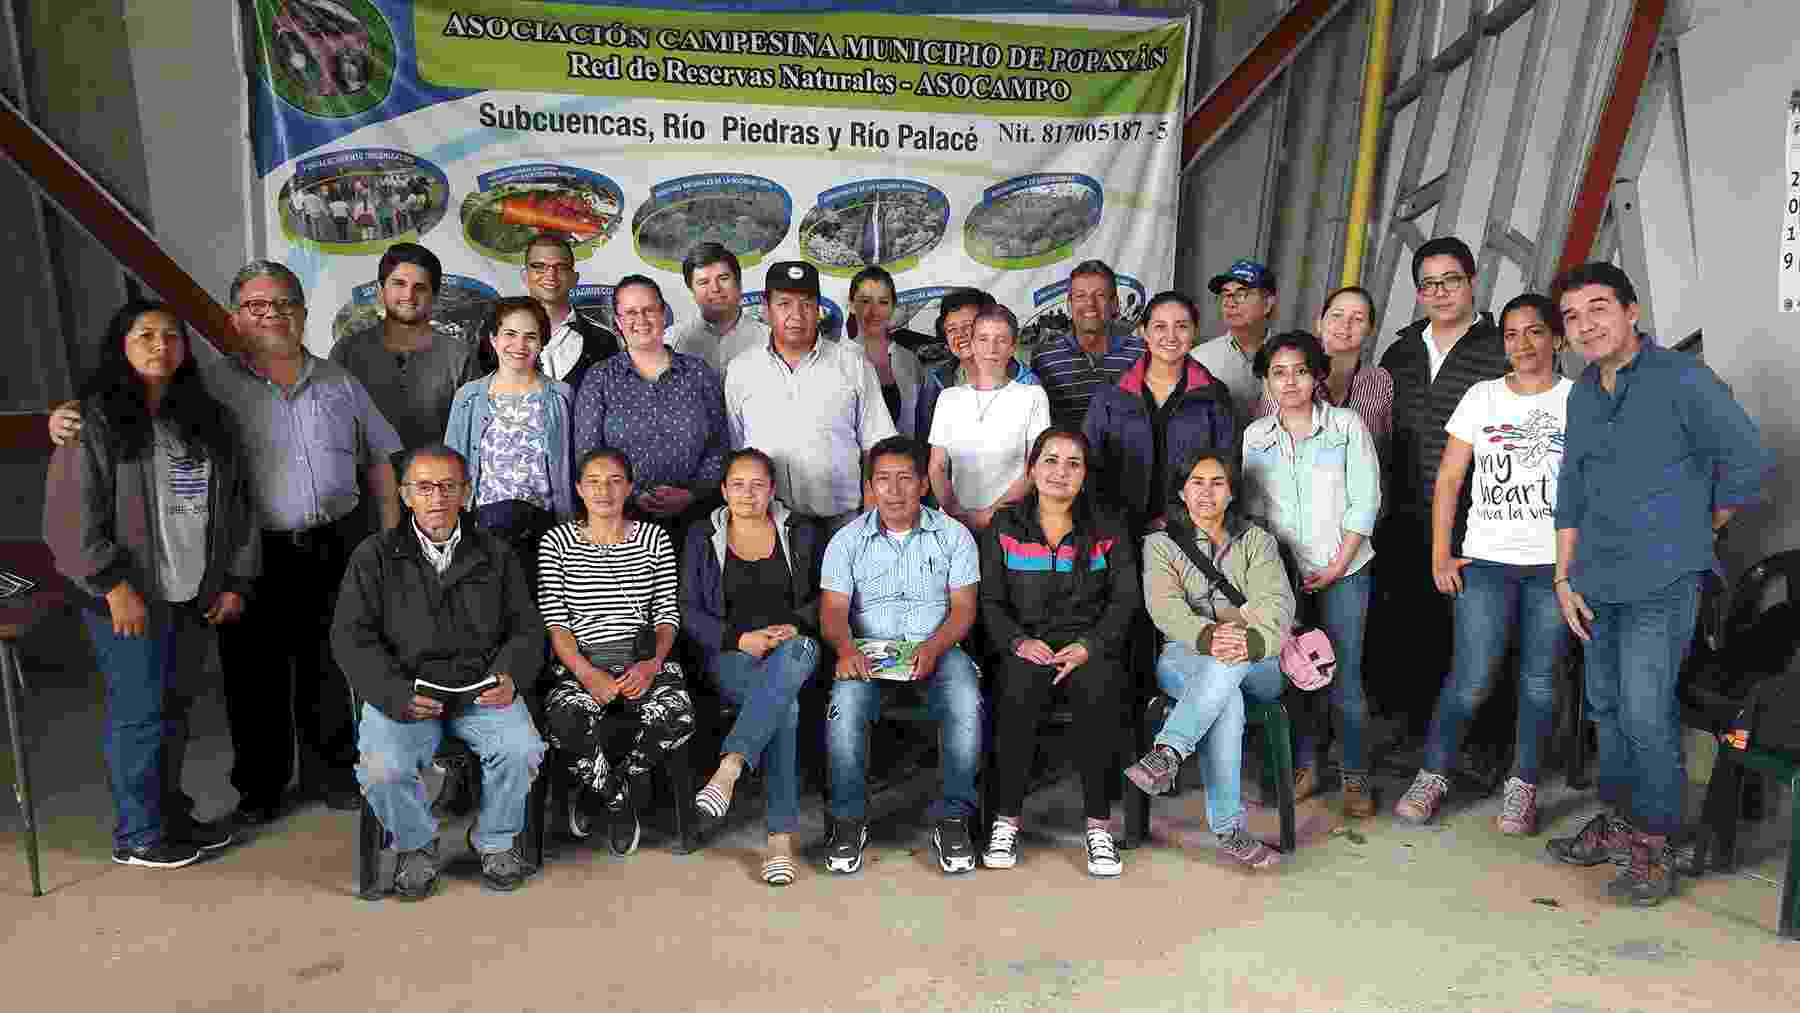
(515,205)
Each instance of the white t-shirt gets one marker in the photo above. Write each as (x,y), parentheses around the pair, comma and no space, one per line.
(987,435)
(1518,443)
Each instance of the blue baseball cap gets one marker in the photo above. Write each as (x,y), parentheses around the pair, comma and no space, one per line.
(1249,272)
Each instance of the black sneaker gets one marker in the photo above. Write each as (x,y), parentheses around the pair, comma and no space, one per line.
(581,824)
(255,814)
(956,853)
(161,855)
(622,829)
(845,852)
(206,835)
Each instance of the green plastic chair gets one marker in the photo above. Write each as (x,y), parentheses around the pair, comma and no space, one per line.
(1278,763)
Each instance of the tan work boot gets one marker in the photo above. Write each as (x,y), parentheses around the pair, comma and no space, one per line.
(1359,796)
(1306,783)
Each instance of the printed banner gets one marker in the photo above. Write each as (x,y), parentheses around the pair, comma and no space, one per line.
(996,151)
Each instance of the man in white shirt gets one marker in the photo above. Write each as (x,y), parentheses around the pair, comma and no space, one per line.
(723,331)
(577,341)
(813,406)
(1247,302)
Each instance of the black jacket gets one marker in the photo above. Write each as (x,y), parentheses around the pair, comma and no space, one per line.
(1422,405)
(1123,439)
(395,614)
(1024,597)
(705,614)
(597,344)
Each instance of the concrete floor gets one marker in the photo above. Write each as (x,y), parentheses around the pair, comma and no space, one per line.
(1376,917)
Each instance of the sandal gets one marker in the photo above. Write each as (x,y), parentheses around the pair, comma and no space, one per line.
(779,870)
(711,805)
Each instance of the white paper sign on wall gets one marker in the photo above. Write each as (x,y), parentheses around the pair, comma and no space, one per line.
(1790,212)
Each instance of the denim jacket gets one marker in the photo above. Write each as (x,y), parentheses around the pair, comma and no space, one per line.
(471,413)
(1310,491)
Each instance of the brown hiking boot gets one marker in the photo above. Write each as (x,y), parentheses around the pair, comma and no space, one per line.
(1359,796)
(1597,841)
(1306,783)
(1649,876)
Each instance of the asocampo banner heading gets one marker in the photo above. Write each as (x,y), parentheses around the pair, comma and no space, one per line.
(994,151)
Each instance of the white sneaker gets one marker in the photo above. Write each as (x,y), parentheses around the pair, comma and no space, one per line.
(1003,846)
(1103,855)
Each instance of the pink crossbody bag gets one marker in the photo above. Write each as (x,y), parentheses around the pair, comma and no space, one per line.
(1306,659)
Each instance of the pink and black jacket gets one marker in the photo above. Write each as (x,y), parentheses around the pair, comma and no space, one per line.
(1085,588)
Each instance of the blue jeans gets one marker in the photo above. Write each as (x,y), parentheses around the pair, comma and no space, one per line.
(1632,664)
(953,696)
(1343,613)
(149,689)
(393,753)
(1209,715)
(1497,598)
(766,691)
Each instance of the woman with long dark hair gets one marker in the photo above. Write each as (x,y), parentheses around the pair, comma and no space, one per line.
(1058,590)
(150,515)
(1215,653)
(1312,474)
(1161,410)
(873,300)
(1504,580)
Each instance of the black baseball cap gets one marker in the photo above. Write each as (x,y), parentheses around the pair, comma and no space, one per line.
(792,276)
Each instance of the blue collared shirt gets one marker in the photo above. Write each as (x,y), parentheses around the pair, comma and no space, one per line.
(900,590)
(306,445)
(1314,490)
(1645,466)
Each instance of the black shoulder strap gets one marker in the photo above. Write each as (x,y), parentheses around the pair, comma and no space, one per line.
(1189,543)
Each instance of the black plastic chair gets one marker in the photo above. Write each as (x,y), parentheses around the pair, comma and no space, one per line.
(371,836)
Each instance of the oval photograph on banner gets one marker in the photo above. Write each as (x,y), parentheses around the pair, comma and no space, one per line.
(1031,221)
(514,205)
(748,215)
(361,201)
(461,307)
(328,58)
(888,223)
(916,310)
(831,316)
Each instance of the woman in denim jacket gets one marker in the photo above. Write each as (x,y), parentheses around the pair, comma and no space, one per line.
(512,426)
(1311,473)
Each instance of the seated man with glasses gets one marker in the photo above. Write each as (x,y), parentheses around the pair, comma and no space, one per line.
(577,341)
(1434,362)
(436,628)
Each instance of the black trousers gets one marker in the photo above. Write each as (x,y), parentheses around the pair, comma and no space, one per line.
(1021,693)
(282,686)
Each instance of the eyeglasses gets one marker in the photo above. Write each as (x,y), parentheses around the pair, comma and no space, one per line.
(264,307)
(1451,283)
(540,267)
(1237,295)
(644,314)
(430,489)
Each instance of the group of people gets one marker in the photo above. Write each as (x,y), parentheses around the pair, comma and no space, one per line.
(358,209)
(595,520)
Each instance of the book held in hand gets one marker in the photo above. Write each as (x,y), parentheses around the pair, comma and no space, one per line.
(454,698)
(889,659)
